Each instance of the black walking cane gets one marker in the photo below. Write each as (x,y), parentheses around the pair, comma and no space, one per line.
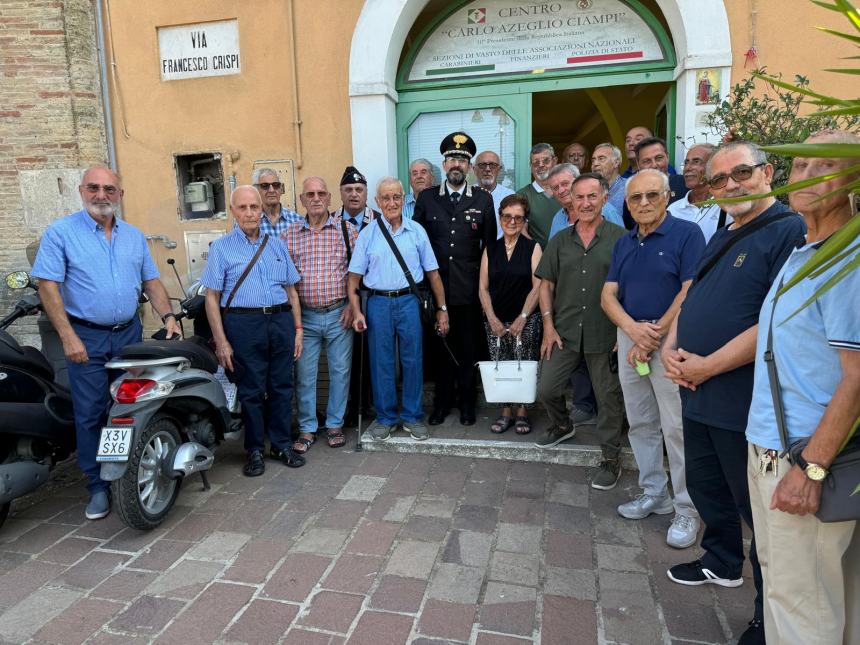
(361,337)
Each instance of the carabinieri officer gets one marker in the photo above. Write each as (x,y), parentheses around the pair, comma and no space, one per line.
(91,269)
(460,222)
(259,324)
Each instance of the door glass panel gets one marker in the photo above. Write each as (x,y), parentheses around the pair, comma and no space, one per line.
(492,129)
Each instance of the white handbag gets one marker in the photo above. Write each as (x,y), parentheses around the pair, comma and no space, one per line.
(509,381)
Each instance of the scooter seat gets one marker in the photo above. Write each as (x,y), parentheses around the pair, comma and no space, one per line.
(194,349)
(24,358)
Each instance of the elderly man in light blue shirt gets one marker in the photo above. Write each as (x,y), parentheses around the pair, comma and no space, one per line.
(811,569)
(276,217)
(393,309)
(92,268)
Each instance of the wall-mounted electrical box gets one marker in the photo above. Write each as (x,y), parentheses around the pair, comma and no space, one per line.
(200,185)
(197,249)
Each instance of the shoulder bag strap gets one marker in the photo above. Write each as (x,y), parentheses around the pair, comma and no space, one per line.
(399,258)
(247,271)
(773,379)
(721,222)
(346,241)
(746,231)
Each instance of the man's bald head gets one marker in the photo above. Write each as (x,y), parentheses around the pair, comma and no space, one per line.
(241,191)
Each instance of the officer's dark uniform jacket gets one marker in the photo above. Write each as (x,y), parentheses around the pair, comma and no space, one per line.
(458,235)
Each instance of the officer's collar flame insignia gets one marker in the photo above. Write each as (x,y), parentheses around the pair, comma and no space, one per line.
(459,140)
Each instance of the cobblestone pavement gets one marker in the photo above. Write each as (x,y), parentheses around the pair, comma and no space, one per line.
(359,548)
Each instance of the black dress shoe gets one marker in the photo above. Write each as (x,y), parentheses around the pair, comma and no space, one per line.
(438,416)
(255,466)
(467,416)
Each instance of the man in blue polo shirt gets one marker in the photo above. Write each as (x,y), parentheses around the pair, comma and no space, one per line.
(91,269)
(652,268)
(709,352)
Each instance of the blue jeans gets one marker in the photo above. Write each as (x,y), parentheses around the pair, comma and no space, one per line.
(390,320)
(323,329)
(89,384)
(263,346)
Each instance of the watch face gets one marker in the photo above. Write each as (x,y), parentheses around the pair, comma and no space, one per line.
(815,472)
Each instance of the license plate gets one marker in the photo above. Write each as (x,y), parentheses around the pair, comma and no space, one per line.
(114,443)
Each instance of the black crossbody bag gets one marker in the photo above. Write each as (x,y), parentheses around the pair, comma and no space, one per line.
(425,300)
(838,502)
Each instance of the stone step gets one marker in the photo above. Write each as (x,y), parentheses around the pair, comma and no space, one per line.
(564,454)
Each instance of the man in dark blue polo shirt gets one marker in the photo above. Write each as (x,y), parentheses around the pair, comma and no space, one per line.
(652,268)
(710,352)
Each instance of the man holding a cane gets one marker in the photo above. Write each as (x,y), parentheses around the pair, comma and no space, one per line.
(392,309)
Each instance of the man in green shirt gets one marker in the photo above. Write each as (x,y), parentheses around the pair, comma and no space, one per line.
(542,205)
(575,328)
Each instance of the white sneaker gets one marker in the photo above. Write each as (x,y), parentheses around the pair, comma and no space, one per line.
(683,532)
(644,505)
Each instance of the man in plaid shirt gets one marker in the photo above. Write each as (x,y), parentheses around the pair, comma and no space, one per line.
(275,218)
(320,246)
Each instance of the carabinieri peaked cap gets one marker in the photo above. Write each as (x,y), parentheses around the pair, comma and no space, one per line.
(458,144)
(352,176)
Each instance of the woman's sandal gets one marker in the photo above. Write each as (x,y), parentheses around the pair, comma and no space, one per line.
(334,437)
(502,424)
(523,425)
(305,443)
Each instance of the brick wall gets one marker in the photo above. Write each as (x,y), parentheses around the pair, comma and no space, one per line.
(51,122)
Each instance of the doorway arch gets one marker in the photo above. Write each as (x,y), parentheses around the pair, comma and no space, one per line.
(699,30)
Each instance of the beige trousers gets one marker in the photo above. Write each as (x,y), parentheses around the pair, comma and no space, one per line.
(811,570)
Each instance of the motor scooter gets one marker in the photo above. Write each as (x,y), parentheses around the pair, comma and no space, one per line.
(170,411)
(37,428)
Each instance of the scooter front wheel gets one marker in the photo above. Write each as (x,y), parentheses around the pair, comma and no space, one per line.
(145,494)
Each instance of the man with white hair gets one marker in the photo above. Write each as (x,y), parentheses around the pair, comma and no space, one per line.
(276,217)
(606,161)
(420,178)
(393,318)
(488,168)
(709,217)
(542,205)
(652,268)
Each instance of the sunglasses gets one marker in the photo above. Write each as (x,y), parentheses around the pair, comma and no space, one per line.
(487,165)
(651,196)
(516,219)
(738,173)
(94,188)
(270,184)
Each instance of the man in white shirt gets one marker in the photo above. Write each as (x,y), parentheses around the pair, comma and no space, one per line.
(711,217)
(488,168)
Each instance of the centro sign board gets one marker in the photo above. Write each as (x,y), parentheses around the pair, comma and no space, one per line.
(201,49)
(491,37)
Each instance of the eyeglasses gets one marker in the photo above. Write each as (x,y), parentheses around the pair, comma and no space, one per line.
(265,185)
(95,188)
(322,194)
(487,165)
(516,219)
(385,199)
(651,196)
(738,173)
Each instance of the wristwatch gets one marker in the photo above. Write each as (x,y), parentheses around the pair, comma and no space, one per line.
(169,314)
(524,316)
(442,308)
(815,472)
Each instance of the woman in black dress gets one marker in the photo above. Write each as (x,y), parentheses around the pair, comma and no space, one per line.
(508,291)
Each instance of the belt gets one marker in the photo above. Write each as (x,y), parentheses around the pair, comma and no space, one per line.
(390,294)
(92,325)
(653,322)
(272,309)
(334,304)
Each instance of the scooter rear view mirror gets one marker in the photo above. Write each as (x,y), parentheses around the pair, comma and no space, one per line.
(18,280)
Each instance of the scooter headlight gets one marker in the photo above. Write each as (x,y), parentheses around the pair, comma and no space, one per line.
(134,390)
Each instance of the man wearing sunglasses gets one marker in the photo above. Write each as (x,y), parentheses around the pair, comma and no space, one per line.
(276,217)
(91,269)
(710,351)
(652,268)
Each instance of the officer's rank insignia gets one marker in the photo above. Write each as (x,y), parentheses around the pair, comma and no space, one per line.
(459,140)
(740,260)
